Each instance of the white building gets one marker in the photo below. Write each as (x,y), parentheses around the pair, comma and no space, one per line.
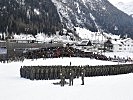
(122,45)
(127,45)
(85,44)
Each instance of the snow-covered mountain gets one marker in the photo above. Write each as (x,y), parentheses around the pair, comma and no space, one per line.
(126,7)
(49,16)
(94,15)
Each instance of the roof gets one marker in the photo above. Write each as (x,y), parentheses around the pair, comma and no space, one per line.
(85,43)
(120,42)
(116,42)
(127,39)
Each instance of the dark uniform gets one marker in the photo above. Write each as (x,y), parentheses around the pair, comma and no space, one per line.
(71,77)
(70,63)
(37,73)
(32,74)
(46,73)
(21,71)
(62,77)
(41,73)
(82,75)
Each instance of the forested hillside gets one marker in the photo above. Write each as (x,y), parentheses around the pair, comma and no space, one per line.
(28,16)
(49,16)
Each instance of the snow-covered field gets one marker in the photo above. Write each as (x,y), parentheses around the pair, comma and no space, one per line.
(12,87)
(119,54)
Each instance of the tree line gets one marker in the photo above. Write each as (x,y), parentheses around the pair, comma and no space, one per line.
(29,17)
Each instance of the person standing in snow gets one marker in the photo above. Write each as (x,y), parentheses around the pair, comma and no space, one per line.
(46,73)
(32,74)
(82,75)
(70,63)
(21,71)
(71,77)
(62,77)
(41,73)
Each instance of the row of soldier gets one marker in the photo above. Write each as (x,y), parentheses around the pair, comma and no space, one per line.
(55,52)
(54,72)
(52,52)
(12,59)
(49,72)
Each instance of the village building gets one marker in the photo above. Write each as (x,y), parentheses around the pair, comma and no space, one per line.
(85,44)
(122,45)
(108,46)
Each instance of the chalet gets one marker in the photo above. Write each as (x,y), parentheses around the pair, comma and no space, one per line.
(108,45)
(85,44)
(122,45)
(127,45)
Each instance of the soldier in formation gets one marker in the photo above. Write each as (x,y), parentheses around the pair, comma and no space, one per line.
(57,52)
(71,72)
(62,77)
(71,77)
(82,75)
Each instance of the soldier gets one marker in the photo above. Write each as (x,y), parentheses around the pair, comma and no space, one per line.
(51,73)
(24,72)
(32,74)
(41,73)
(78,72)
(21,72)
(62,77)
(37,73)
(58,72)
(46,73)
(82,75)
(71,77)
(27,72)
(55,72)
(70,63)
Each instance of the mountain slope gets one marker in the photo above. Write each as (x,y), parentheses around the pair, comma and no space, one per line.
(94,15)
(48,16)
(28,16)
(126,7)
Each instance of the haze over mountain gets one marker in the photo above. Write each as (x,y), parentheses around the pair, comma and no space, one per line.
(49,16)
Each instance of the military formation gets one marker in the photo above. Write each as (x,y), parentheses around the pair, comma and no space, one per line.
(57,52)
(52,52)
(72,72)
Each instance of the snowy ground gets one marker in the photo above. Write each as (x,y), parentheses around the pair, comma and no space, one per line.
(12,87)
(119,54)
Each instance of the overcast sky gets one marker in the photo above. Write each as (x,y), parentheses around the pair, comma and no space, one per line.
(116,1)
